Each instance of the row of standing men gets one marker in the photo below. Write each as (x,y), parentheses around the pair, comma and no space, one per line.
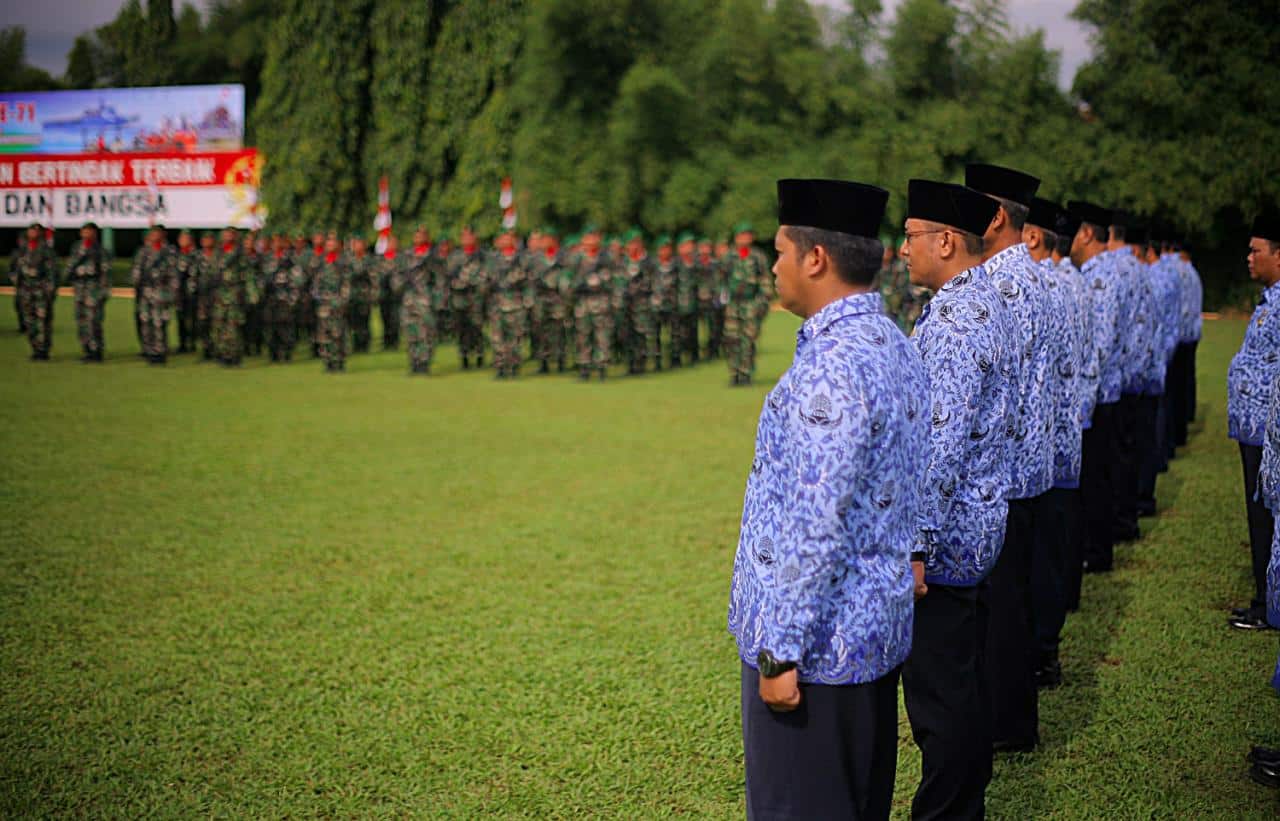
(1059,370)
(588,305)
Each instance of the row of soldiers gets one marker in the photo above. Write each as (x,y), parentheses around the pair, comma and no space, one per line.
(590,303)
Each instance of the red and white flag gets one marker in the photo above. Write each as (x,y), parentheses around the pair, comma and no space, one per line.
(507,202)
(382,222)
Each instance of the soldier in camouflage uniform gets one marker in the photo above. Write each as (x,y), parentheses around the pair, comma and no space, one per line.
(390,289)
(750,286)
(903,302)
(711,296)
(89,271)
(37,286)
(362,269)
(186,263)
(664,300)
(13,280)
(468,289)
(551,285)
(307,311)
(284,282)
(684,332)
(423,290)
(155,289)
(642,306)
(331,295)
(235,289)
(207,269)
(593,309)
(511,297)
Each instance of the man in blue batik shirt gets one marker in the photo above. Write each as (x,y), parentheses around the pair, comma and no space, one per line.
(1189,326)
(1089,254)
(967,339)
(1250,379)
(1264,762)
(821,601)
(1011,657)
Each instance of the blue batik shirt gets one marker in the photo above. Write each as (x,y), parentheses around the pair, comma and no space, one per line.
(1192,300)
(1016,278)
(1166,289)
(1253,371)
(971,349)
(1068,358)
(1106,297)
(1269,495)
(1138,336)
(1082,309)
(822,574)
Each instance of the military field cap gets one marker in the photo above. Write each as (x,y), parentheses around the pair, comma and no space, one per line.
(187,232)
(743,227)
(832,205)
(704,239)
(209,234)
(950,204)
(632,233)
(663,239)
(590,228)
(685,236)
(1044,213)
(1065,224)
(573,239)
(1005,183)
(92,225)
(1267,225)
(1090,213)
(548,231)
(35,225)
(158,227)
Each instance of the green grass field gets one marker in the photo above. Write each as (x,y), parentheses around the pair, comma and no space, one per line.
(275,592)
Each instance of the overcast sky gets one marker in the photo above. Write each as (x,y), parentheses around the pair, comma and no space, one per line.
(52,26)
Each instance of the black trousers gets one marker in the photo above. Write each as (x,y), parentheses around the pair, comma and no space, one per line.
(1009,657)
(1125,461)
(1147,439)
(835,756)
(1179,398)
(1261,523)
(1051,579)
(1190,385)
(943,690)
(1096,482)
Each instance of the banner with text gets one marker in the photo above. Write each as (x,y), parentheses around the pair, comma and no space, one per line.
(194,190)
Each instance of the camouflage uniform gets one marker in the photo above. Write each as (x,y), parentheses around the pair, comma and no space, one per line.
(363,273)
(155,284)
(284,282)
(468,289)
(331,295)
(254,318)
(511,297)
(903,302)
(550,310)
(711,302)
(89,272)
(13,280)
(593,312)
(186,263)
(642,313)
(234,291)
(665,280)
(37,286)
(748,303)
(423,292)
(307,323)
(207,275)
(390,295)
(684,338)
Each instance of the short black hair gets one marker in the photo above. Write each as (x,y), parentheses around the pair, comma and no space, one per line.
(1017,212)
(856,259)
(1099,231)
(974,245)
(1064,245)
(1049,238)
(1118,233)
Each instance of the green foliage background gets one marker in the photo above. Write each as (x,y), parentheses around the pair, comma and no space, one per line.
(682,113)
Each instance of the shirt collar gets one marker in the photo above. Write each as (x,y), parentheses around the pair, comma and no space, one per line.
(853,305)
(1013,255)
(1271,296)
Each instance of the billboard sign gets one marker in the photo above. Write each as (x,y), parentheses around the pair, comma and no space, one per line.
(191,189)
(163,119)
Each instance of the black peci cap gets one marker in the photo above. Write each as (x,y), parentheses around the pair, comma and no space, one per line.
(1267,225)
(832,205)
(1090,213)
(1044,214)
(1138,233)
(1066,224)
(1001,182)
(950,204)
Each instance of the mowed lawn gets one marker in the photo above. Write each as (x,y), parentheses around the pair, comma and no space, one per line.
(275,592)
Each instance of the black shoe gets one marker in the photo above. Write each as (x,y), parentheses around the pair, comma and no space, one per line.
(1242,612)
(1014,746)
(1146,509)
(1095,566)
(466,364)
(1265,755)
(1249,622)
(1049,676)
(1268,775)
(546,368)
(1126,533)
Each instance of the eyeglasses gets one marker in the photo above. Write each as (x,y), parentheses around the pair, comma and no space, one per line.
(913,234)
